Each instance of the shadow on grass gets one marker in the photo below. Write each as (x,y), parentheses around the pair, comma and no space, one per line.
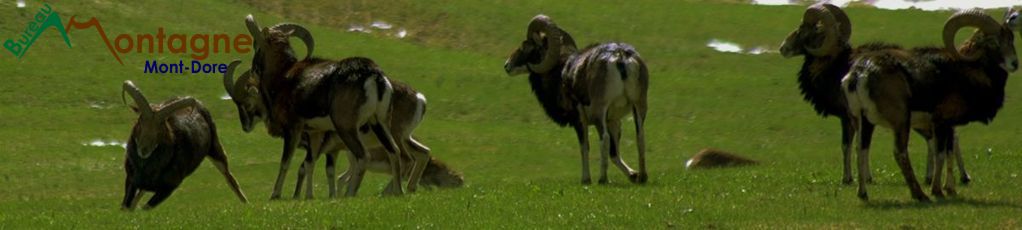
(951,201)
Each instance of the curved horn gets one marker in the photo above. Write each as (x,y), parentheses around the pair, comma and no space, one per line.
(842,19)
(140,101)
(1013,19)
(543,24)
(229,77)
(300,32)
(969,18)
(164,112)
(819,13)
(253,29)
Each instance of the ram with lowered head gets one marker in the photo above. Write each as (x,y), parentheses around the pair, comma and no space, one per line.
(598,85)
(931,88)
(823,39)
(168,142)
(408,107)
(350,97)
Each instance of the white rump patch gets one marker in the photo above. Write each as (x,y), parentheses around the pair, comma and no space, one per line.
(225,97)
(371,107)
(615,86)
(860,99)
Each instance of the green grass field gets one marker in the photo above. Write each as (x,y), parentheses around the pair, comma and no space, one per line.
(521,170)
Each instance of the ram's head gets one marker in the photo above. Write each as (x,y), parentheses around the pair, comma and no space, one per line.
(993,42)
(151,129)
(545,46)
(824,29)
(273,52)
(245,94)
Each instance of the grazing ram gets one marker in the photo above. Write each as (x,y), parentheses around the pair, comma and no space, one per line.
(823,38)
(932,89)
(313,96)
(598,85)
(408,105)
(168,142)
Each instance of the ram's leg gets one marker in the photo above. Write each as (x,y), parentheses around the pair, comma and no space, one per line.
(346,175)
(945,135)
(131,195)
(966,178)
(383,134)
(420,156)
(358,167)
(865,139)
(847,136)
(639,113)
(329,146)
(331,173)
(302,167)
(865,160)
(605,140)
(219,159)
(931,152)
(332,146)
(615,151)
(138,197)
(158,198)
(315,150)
(310,169)
(303,170)
(291,139)
(949,183)
(582,132)
(901,136)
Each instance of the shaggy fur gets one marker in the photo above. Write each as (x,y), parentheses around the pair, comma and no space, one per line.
(596,86)
(885,87)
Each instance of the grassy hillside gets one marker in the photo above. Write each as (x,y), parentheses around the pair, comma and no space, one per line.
(521,170)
